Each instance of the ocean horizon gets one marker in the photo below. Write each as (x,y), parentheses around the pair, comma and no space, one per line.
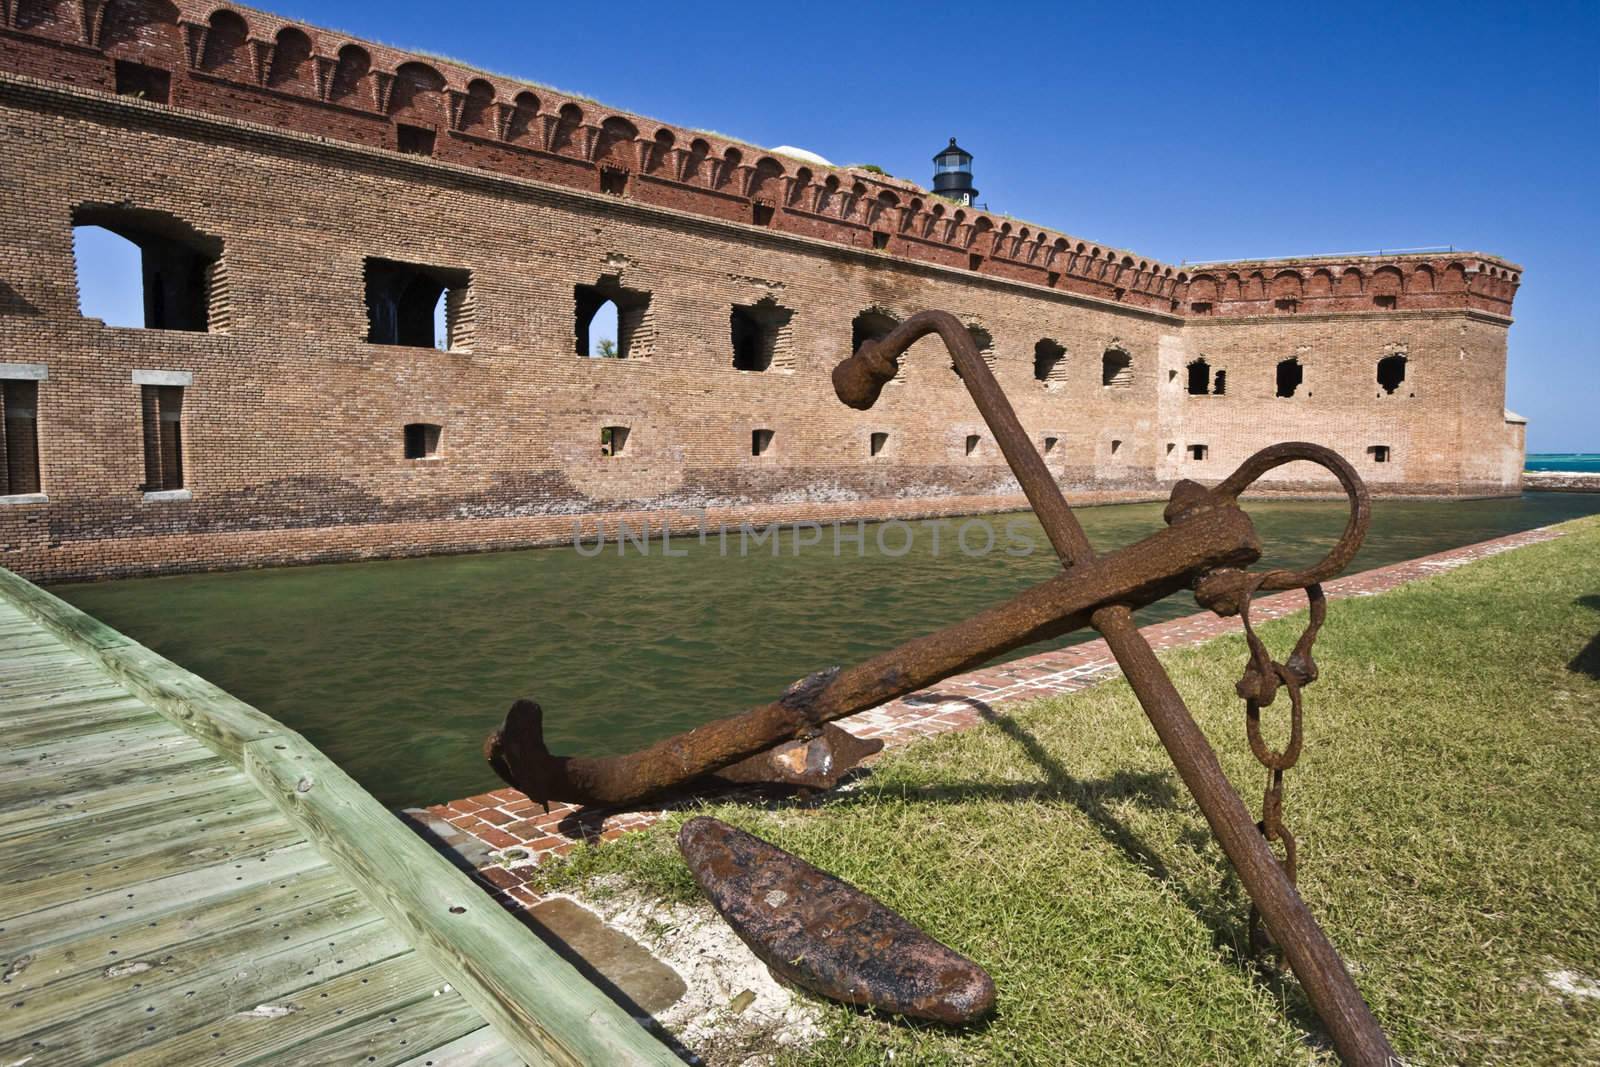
(1563,461)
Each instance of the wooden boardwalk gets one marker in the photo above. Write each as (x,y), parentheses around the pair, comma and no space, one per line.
(184,881)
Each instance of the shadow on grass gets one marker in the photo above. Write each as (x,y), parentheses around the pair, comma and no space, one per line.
(1223,912)
(1588,660)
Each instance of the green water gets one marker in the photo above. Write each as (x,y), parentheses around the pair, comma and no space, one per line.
(398,668)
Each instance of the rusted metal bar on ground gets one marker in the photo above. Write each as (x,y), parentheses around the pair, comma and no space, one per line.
(824,934)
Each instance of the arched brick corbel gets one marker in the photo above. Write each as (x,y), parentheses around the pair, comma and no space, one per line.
(786,185)
(548,123)
(261,58)
(678,164)
(383,89)
(503,114)
(323,67)
(588,137)
(194,42)
(714,169)
(458,107)
(94,21)
(643,146)
(744,175)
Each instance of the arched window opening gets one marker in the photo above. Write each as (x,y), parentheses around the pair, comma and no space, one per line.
(421,440)
(760,334)
(1199,378)
(1049,363)
(983,341)
(611,321)
(1116,368)
(1391,372)
(1290,375)
(419,306)
(147,269)
(613,440)
(870,325)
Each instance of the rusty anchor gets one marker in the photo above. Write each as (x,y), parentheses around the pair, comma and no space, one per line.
(1207,542)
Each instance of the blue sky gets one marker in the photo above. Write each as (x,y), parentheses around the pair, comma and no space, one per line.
(1186,132)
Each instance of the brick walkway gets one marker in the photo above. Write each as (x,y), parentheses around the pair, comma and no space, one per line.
(506,835)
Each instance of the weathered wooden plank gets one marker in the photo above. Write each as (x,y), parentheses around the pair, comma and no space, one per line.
(51,727)
(127,1027)
(117,828)
(173,786)
(388,1037)
(32,792)
(546,1010)
(218,718)
(65,921)
(122,877)
(481,1048)
(197,922)
(44,761)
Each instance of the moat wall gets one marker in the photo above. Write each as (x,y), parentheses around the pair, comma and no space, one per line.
(293,441)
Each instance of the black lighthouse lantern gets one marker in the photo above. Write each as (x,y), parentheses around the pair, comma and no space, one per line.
(952,174)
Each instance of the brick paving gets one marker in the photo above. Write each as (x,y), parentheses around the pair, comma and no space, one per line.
(514,834)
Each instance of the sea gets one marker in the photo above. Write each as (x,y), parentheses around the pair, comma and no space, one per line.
(1563,461)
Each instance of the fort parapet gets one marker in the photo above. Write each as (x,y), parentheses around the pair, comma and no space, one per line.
(301,198)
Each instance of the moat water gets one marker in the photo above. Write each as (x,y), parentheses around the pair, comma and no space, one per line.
(398,668)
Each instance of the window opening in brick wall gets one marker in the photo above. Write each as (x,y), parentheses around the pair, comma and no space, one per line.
(1200,307)
(613,180)
(760,441)
(1050,444)
(421,440)
(1199,378)
(1049,363)
(876,443)
(1219,383)
(1171,447)
(142,82)
(880,240)
(983,341)
(1198,451)
(1116,368)
(414,140)
(974,261)
(419,306)
(1379,453)
(1290,375)
(1391,372)
(1052,278)
(972,443)
(147,269)
(1388,303)
(19,437)
(1116,446)
(161,408)
(870,325)
(613,440)
(611,322)
(761,214)
(760,336)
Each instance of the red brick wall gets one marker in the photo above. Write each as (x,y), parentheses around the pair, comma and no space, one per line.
(293,424)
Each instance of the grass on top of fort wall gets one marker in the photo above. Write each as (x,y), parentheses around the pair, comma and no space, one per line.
(1447,805)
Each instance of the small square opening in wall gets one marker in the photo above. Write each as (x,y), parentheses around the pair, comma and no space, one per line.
(1116,446)
(1052,278)
(761,214)
(142,82)
(1172,446)
(972,443)
(1387,303)
(421,440)
(880,240)
(613,180)
(1050,444)
(974,261)
(1288,305)
(760,442)
(1200,307)
(1379,453)
(613,440)
(876,443)
(414,140)
(1198,451)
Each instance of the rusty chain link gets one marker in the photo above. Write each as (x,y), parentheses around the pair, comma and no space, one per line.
(1258,687)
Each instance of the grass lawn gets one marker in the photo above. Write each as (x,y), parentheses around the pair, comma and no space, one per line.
(1447,806)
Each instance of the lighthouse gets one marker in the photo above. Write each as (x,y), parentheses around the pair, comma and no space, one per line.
(952,174)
